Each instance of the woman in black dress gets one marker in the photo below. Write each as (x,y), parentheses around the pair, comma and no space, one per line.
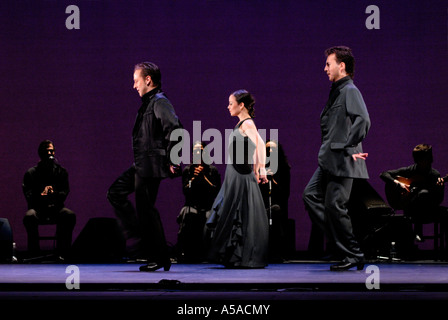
(239,224)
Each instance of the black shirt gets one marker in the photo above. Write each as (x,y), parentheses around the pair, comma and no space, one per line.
(40,176)
(199,193)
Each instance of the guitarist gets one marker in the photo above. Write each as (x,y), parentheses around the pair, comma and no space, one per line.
(417,189)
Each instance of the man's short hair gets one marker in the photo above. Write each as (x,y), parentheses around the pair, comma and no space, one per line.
(343,54)
(42,149)
(152,70)
(422,152)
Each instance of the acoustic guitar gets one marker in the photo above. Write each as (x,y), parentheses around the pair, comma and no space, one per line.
(399,197)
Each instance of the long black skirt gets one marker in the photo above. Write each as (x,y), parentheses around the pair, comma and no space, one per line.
(239,223)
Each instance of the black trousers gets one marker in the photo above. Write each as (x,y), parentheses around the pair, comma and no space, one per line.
(326,199)
(423,209)
(143,222)
(65,221)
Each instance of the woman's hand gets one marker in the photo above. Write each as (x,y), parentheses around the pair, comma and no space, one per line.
(261,176)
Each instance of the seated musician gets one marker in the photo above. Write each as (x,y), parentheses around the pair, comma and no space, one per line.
(417,189)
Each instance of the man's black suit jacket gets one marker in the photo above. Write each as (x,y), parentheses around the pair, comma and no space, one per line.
(156,120)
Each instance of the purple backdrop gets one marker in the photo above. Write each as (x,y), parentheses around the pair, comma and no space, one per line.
(75,86)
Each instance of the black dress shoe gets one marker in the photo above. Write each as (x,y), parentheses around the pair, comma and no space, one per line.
(346,266)
(150,267)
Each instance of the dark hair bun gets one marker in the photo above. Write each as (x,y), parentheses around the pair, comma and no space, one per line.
(244,96)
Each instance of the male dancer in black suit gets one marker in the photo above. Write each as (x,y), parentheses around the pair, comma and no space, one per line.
(344,124)
(155,121)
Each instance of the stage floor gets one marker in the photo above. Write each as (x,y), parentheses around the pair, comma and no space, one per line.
(284,286)
(276,279)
